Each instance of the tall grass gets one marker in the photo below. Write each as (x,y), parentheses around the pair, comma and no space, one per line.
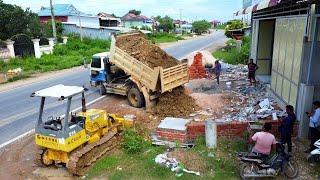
(230,55)
(64,56)
(164,37)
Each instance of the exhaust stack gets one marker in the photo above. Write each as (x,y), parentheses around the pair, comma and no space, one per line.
(83,101)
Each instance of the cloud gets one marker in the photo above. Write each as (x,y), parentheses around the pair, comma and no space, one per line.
(190,9)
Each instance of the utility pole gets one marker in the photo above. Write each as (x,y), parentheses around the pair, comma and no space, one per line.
(80,25)
(54,31)
(180,21)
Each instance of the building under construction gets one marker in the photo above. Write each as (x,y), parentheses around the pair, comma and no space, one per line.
(286,46)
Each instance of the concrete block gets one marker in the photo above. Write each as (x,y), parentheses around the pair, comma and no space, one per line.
(174,124)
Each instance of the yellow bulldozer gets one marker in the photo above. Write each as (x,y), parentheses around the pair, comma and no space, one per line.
(76,139)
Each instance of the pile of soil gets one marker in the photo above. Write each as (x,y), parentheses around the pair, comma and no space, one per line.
(146,52)
(175,104)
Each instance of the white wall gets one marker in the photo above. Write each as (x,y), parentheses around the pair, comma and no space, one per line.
(86,21)
(94,33)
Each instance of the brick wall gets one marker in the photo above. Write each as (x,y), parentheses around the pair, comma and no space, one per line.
(231,130)
(172,135)
(44,19)
(197,70)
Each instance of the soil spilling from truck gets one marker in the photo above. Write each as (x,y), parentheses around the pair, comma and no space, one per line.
(143,50)
(175,104)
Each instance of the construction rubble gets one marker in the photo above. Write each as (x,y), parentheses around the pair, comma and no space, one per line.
(173,164)
(248,103)
(234,101)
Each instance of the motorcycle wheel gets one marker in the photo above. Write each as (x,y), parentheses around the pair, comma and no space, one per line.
(313,159)
(247,168)
(290,169)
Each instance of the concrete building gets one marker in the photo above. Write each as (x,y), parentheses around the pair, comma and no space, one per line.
(286,46)
(107,20)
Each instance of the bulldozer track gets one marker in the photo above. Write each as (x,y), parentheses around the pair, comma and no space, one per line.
(82,158)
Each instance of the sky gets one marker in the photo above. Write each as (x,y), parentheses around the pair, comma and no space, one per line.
(189,9)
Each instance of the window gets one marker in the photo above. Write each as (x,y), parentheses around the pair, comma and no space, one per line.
(96,62)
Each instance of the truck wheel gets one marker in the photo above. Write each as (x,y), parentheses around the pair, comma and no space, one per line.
(102,90)
(135,98)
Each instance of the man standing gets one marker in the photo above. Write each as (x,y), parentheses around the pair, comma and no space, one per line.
(314,125)
(286,127)
(252,67)
(217,70)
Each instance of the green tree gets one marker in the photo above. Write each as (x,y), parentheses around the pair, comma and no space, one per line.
(113,15)
(14,20)
(233,25)
(47,29)
(166,23)
(200,27)
(135,12)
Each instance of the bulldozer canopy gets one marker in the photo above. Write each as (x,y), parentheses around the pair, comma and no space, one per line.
(59,91)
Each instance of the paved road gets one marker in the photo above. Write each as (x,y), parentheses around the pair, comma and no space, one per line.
(18,111)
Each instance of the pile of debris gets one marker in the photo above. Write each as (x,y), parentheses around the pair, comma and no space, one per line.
(146,52)
(169,161)
(251,104)
(233,72)
(175,104)
(242,102)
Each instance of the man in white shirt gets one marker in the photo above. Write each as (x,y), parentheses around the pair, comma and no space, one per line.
(314,125)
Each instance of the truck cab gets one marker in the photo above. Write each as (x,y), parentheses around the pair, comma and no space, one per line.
(98,66)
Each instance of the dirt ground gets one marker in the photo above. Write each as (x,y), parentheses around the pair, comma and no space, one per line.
(20,160)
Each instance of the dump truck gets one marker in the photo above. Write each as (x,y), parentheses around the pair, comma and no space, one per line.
(118,72)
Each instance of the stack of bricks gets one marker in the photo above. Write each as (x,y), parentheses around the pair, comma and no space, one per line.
(197,70)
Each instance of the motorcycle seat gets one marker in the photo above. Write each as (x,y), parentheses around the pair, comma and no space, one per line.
(253,155)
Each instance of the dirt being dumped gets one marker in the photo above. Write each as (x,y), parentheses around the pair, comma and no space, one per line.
(146,52)
(175,104)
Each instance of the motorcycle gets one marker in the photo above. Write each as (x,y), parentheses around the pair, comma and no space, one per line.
(257,166)
(314,155)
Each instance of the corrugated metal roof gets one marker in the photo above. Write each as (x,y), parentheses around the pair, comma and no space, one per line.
(256,7)
(60,10)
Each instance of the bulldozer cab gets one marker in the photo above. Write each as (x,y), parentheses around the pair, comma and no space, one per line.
(59,126)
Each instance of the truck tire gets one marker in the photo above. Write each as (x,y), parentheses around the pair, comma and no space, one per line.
(135,98)
(102,90)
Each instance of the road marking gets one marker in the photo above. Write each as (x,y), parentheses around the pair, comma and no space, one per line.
(32,130)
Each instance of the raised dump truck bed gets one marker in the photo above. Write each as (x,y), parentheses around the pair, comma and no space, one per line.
(155,79)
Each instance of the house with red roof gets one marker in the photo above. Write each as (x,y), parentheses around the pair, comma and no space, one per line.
(131,20)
